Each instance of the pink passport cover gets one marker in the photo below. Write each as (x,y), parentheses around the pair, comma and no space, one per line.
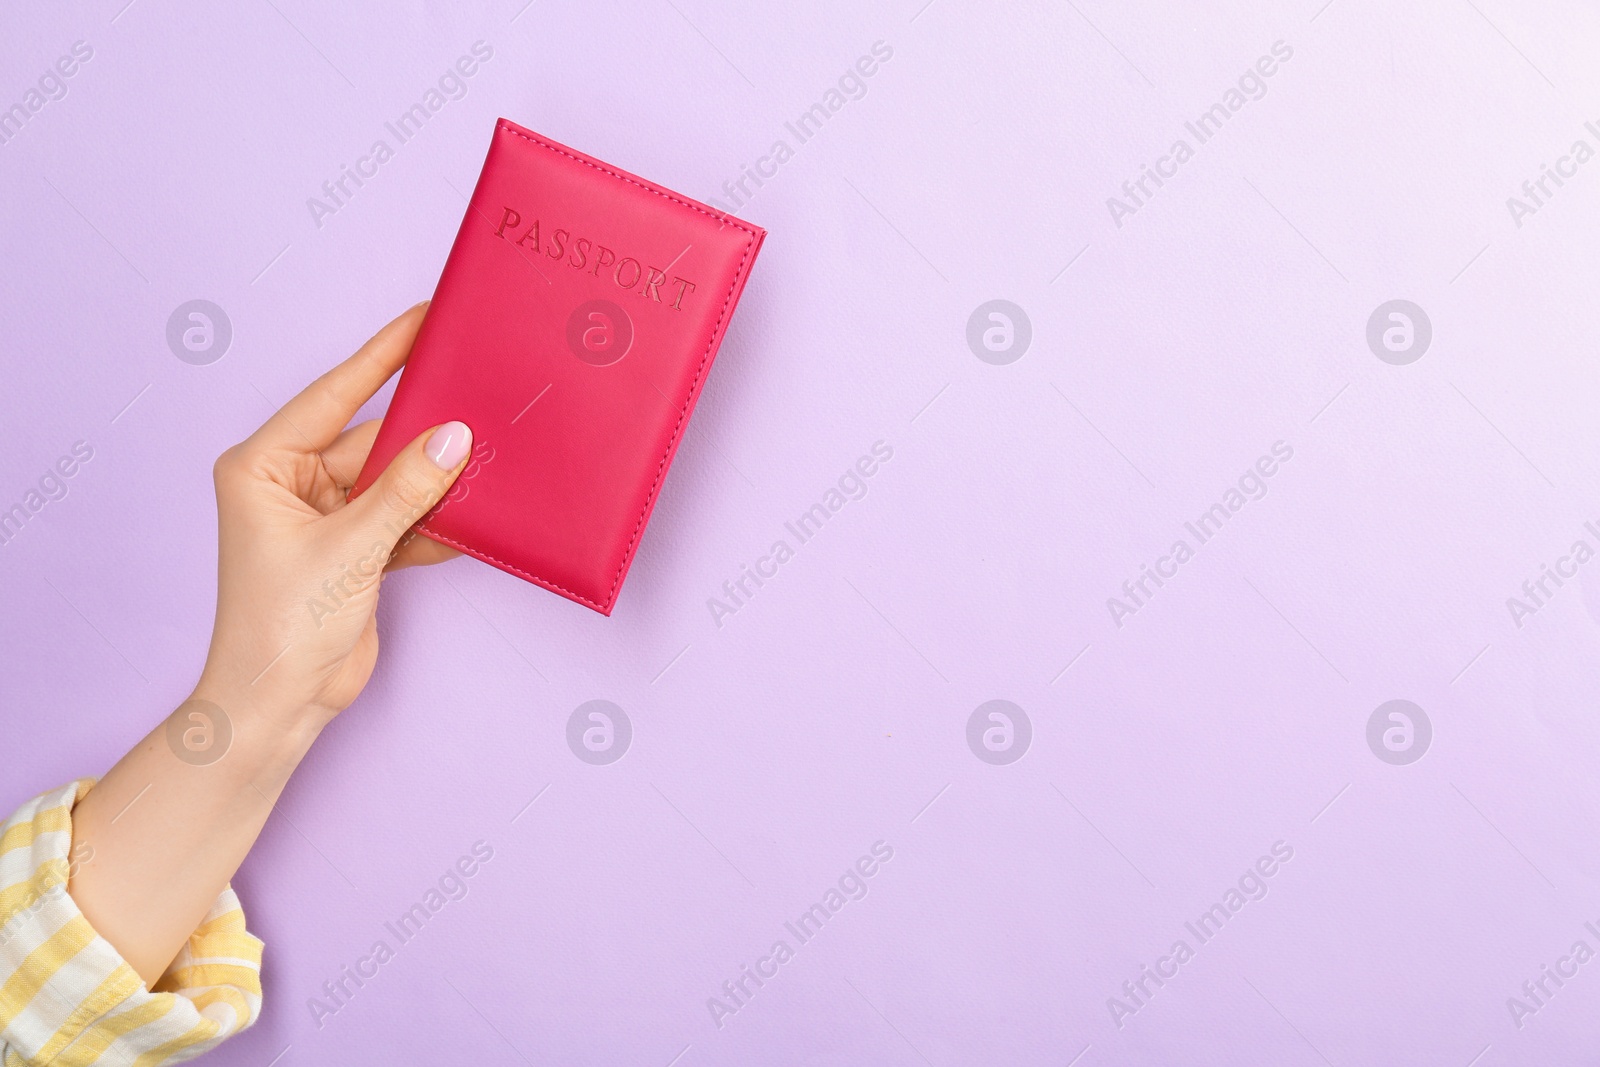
(572,329)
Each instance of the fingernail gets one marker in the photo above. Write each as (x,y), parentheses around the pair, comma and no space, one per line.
(449,444)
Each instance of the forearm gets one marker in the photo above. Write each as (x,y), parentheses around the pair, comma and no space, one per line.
(169,825)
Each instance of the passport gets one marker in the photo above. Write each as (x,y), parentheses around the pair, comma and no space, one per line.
(577,316)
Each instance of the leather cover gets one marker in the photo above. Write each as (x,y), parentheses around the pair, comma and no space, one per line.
(572,329)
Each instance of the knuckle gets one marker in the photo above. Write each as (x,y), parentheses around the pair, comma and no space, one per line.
(406,494)
(230,465)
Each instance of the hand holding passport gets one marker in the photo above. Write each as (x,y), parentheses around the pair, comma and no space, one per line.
(572,329)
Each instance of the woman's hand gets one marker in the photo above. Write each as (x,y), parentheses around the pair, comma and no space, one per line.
(293,644)
(298,567)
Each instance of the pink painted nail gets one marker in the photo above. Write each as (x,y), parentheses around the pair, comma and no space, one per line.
(449,445)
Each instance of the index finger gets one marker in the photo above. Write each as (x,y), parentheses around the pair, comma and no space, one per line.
(310,421)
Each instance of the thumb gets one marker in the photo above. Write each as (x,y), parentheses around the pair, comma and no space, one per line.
(415,480)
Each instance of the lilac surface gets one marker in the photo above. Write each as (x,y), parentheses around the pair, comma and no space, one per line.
(829,712)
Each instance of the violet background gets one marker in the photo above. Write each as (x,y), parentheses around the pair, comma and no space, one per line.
(830,712)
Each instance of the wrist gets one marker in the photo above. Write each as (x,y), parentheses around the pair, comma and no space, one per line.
(258,732)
